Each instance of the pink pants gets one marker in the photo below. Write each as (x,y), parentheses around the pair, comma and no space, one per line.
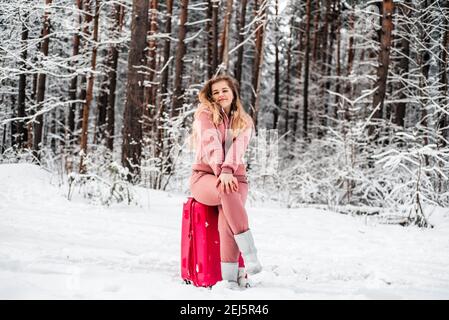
(232,217)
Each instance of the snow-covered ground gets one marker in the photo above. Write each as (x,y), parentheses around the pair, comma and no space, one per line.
(53,248)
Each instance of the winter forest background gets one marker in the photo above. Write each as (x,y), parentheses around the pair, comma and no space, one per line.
(350,98)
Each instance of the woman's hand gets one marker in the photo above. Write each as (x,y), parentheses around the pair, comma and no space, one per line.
(227,183)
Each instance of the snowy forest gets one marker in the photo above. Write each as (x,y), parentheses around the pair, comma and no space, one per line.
(349,97)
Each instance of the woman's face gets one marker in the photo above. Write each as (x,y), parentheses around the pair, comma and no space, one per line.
(222,94)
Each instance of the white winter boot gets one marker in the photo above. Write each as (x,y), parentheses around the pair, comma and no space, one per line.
(242,279)
(229,274)
(245,242)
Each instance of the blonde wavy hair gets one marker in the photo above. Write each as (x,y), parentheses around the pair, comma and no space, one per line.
(240,118)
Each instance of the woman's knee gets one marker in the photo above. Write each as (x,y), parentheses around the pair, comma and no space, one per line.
(204,191)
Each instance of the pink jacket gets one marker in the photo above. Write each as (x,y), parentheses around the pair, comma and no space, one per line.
(216,150)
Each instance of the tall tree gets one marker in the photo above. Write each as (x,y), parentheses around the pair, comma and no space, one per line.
(22,134)
(89,90)
(351,53)
(383,59)
(163,97)
(298,73)
(338,23)
(317,34)
(74,80)
(132,117)
(106,100)
(30,125)
(178,98)
(102,104)
(443,118)
(351,49)
(166,54)
(326,58)
(86,34)
(260,14)
(424,64)
(225,37)
(212,36)
(240,27)
(404,63)
(306,71)
(277,104)
(41,80)
(113,63)
(330,30)
(151,89)
(288,84)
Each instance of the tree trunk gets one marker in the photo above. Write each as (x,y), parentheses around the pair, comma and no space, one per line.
(112,86)
(258,59)
(351,53)
(74,80)
(298,76)
(209,28)
(181,51)
(87,8)
(32,112)
(317,34)
(425,68)
(240,27)
(319,50)
(224,49)
(114,54)
(306,72)
(351,50)
(21,127)
(383,60)
(12,125)
(40,93)
(443,118)
(132,117)
(315,49)
(326,60)
(152,46)
(106,115)
(53,129)
(102,103)
(277,104)
(338,18)
(164,76)
(404,64)
(3,145)
(164,99)
(148,125)
(89,91)
(213,38)
(289,63)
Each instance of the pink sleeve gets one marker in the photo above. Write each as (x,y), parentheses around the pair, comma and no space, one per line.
(211,148)
(234,156)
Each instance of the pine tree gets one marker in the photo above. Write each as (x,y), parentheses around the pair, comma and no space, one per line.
(132,116)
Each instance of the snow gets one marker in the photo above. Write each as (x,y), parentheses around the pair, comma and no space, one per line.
(53,248)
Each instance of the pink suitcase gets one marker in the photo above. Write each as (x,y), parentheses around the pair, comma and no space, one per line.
(200,244)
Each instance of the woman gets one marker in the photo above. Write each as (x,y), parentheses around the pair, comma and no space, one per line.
(221,132)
